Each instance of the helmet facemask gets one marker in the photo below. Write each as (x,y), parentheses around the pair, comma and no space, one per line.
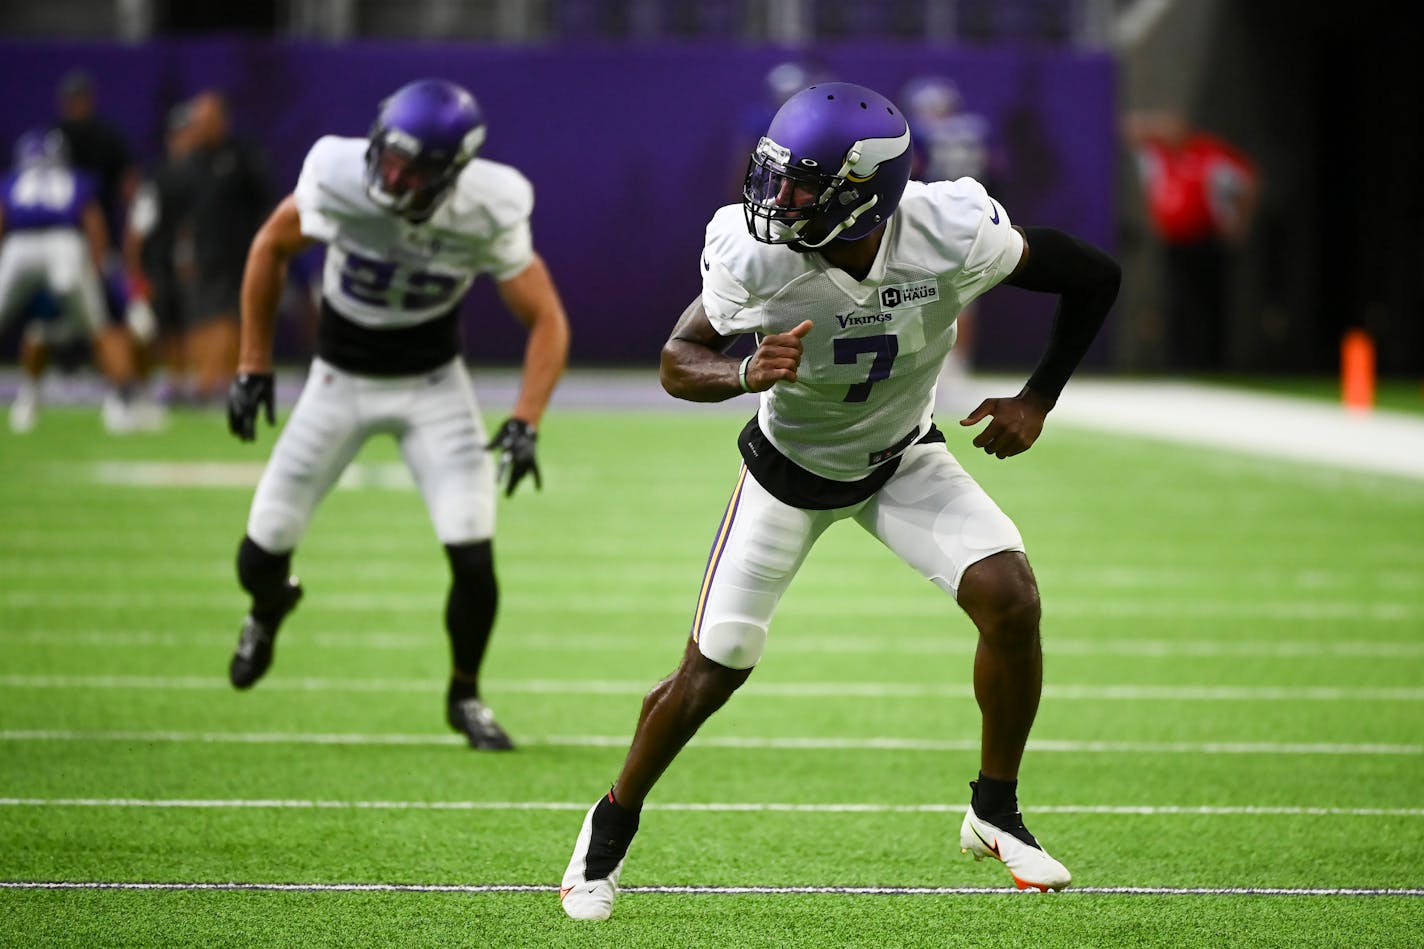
(407,179)
(782,201)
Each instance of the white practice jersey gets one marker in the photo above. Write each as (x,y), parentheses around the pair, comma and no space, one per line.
(866,386)
(384,272)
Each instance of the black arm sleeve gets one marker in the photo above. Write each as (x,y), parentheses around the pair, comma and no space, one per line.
(1086,280)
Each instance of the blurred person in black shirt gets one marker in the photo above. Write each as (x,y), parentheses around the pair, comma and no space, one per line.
(225,184)
(160,206)
(187,244)
(97,147)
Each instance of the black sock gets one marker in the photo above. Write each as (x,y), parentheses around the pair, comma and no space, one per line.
(992,797)
(264,576)
(613,829)
(997,802)
(617,808)
(470,607)
(461,689)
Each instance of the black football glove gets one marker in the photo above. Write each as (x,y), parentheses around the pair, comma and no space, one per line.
(515,443)
(249,392)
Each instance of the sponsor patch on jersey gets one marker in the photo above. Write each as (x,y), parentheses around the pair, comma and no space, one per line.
(920,292)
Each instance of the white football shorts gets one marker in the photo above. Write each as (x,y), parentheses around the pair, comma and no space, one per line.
(433,416)
(931,513)
(58,261)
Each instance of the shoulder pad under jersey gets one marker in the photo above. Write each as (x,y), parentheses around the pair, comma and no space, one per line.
(495,195)
(332,183)
(762,269)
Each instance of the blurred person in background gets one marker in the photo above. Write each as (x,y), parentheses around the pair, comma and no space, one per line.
(1201,194)
(781,82)
(950,143)
(98,148)
(410,217)
(160,207)
(52,240)
(227,197)
(850,276)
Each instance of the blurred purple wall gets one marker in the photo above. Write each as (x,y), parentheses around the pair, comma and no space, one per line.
(630,148)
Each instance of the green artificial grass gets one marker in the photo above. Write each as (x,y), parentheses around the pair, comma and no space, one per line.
(1234,699)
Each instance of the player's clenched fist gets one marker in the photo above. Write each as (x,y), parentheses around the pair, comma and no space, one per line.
(776,359)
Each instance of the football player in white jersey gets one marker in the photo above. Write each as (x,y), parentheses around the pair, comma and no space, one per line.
(410,217)
(850,277)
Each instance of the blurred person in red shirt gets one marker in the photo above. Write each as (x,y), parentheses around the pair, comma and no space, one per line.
(1200,195)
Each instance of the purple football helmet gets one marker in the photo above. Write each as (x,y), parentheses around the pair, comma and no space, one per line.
(41,147)
(423,136)
(833,164)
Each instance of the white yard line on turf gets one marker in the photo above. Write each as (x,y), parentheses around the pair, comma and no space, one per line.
(782,690)
(1141,810)
(774,744)
(1255,423)
(1351,891)
(827,643)
(849,604)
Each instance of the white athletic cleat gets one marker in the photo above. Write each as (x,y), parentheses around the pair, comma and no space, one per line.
(591,881)
(146,415)
(24,412)
(1028,863)
(589,900)
(117,415)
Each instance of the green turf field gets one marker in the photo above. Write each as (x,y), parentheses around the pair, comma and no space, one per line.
(1232,726)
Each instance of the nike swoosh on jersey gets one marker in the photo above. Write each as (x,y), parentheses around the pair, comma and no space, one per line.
(994,213)
(705,264)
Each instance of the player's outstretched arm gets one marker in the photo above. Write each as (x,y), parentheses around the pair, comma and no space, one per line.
(531,296)
(1086,281)
(278,240)
(534,301)
(694,365)
(253,390)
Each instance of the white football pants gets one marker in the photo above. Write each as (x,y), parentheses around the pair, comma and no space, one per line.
(931,513)
(434,417)
(56,260)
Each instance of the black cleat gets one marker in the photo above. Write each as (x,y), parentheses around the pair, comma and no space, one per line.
(473,719)
(255,644)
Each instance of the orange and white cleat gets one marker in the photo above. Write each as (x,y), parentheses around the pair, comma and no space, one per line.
(1010,843)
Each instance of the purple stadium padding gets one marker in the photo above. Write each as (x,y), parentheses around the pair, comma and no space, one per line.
(630,149)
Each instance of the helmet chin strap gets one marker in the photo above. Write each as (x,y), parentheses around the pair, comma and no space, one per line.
(843,225)
(401,204)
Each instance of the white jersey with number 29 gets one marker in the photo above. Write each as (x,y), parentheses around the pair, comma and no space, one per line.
(384,272)
(866,385)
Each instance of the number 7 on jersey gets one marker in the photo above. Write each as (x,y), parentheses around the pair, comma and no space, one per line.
(848,351)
